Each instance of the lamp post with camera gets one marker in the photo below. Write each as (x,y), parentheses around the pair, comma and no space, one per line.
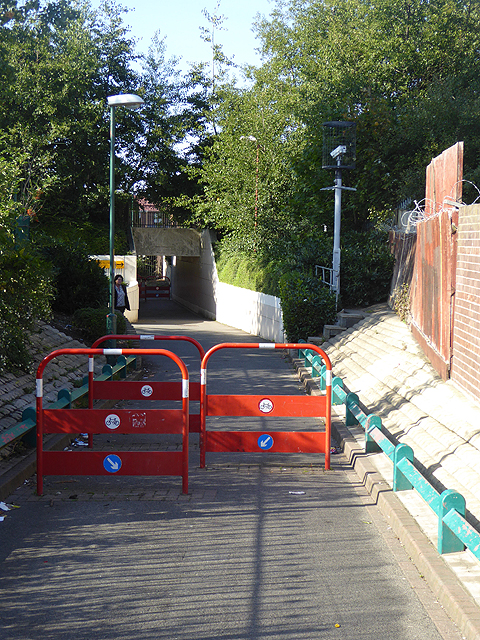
(338,153)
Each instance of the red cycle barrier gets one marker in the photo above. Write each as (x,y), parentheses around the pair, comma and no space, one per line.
(168,390)
(155,289)
(128,463)
(265,406)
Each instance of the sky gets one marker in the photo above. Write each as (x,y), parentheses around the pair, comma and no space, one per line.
(180,22)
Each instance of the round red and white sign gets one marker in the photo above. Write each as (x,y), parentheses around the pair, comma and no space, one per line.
(112,421)
(146,391)
(265,405)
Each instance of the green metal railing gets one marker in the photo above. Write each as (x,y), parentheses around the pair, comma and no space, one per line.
(311,358)
(454,532)
(25,429)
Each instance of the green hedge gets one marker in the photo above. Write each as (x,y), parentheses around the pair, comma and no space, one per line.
(243,271)
(307,306)
(366,269)
(365,272)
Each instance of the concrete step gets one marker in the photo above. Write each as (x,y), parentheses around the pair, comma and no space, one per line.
(345,319)
(331,330)
(348,319)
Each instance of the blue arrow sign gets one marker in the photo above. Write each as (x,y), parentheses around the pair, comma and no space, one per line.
(112,463)
(265,442)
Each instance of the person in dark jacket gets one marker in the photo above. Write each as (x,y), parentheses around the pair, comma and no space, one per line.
(120,291)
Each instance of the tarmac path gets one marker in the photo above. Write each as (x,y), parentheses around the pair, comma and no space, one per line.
(264,547)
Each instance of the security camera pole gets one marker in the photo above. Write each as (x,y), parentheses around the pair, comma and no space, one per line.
(334,131)
(337,219)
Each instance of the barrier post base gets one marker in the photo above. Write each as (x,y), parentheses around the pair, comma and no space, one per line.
(111,329)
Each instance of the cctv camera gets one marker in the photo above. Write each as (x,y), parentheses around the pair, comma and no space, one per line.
(340,150)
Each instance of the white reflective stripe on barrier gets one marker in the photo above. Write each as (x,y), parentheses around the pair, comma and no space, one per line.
(39,388)
(147,337)
(112,352)
(328,377)
(203,376)
(266,345)
(91,365)
(184,388)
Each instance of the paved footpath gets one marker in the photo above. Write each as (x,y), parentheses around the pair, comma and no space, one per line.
(264,547)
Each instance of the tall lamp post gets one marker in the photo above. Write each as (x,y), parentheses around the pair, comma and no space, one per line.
(129,101)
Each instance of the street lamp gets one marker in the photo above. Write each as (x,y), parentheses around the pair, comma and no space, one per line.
(129,101)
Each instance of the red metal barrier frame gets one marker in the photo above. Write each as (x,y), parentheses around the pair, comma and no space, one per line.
(149,336)
(108,421)
(162,292)
(138,390)
(142,390)
(263,406)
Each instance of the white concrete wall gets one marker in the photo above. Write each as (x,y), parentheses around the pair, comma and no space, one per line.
(133,293)
(194,280)
(195,285)
(250,311)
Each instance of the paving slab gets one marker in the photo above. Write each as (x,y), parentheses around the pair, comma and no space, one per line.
(263,547)
(255,551)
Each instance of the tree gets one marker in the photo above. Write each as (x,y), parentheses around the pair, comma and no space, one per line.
(45,89)
(62,63)
(159,155)
(215,22)
(247,171)
(25,294)
(59,61)
(387,65)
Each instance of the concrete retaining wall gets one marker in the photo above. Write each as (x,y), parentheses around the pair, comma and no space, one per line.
(194,280)
(151,241)
(250,311)
(195,285)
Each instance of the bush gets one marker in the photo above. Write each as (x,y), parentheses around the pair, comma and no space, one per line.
(79,281)
(401,301)
(25,294)
(268,277)
(307,305)
(93,322)
(366,269)
(288,271)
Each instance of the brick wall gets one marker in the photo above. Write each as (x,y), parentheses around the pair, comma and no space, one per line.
(466,327)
